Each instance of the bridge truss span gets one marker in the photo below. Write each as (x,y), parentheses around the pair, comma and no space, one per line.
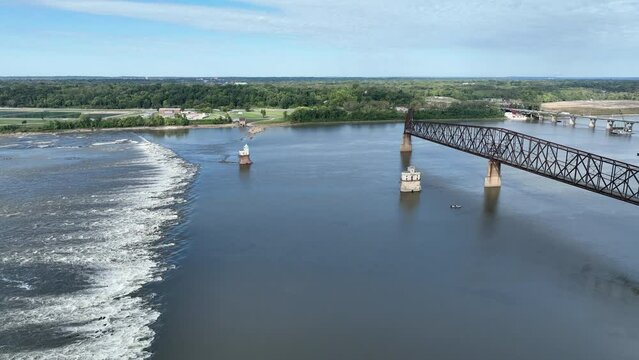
(576,167)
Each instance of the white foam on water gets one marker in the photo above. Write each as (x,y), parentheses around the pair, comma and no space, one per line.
(44,144)
(115,142)
(113,323)
(11,214)
(17,283)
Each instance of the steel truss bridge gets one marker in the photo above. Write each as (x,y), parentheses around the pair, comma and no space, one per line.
(572,166)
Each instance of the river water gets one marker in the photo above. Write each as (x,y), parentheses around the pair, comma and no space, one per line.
(111,247)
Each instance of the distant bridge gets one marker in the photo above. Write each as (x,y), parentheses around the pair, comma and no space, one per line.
(572,118)
(572,166)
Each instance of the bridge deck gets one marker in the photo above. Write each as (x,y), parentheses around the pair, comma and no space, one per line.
(565,114)
(572,166)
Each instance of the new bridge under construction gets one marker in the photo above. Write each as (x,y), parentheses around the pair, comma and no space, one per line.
(554,116)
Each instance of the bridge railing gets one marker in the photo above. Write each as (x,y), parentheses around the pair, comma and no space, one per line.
(576,167)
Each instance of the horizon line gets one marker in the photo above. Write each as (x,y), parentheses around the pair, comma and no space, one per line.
(143,77)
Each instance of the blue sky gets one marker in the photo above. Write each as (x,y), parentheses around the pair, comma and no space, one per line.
(589,38)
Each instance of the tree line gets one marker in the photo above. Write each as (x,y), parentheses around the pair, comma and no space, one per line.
(352,95)
(456,110)
(87,122)
(97,122)
(314,100)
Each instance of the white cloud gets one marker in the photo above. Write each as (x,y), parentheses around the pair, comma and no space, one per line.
(205,17)
(543,25)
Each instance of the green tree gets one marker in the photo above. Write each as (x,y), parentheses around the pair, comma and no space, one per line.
(341,96)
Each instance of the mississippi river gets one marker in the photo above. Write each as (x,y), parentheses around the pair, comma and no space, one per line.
(156,244)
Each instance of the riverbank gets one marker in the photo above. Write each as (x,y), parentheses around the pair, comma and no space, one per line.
(254,129)
(135,128)
(395,121)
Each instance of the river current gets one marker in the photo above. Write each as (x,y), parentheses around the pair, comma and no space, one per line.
(157,244)
(82,220)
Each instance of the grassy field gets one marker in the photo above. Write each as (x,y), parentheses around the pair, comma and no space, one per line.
(30,117)
(255,116)
(62,114)
(29,114)
(34,118)
(19,121)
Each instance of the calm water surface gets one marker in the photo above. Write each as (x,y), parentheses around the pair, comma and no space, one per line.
(111,247)
(313,253)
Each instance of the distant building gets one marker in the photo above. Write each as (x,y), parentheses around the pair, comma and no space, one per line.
(194,115)
(169,112)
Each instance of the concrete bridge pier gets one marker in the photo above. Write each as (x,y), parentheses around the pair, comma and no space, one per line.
(593,123)
(411,180)
(407,146)
(572,121)
(610,125)
(493,177)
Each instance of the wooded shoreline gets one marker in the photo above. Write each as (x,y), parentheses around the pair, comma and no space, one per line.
(297,101)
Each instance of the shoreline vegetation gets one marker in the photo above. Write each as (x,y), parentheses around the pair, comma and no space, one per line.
(457,110)
(57,104)
(253,129)
(303,115)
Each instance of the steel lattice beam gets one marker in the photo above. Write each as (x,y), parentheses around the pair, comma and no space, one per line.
(572,166)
